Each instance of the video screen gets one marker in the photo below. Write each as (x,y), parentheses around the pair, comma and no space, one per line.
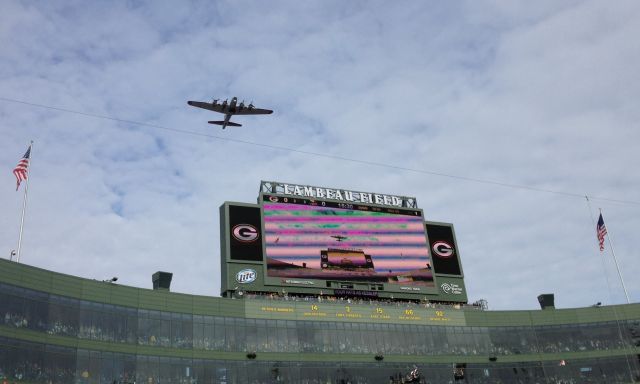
(333,241)
(345,258)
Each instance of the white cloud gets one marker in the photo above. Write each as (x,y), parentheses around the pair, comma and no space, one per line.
(542,95)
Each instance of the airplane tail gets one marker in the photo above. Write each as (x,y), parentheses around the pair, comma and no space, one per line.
(229,123)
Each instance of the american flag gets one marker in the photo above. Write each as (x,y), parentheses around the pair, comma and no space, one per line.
(602,232)
(21,170)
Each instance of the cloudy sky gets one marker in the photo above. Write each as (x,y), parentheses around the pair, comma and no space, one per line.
(498,116)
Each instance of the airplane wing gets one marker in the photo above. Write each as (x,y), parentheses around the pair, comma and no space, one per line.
(209,106)
(252,111)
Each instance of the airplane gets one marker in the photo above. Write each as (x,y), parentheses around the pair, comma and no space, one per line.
(229,109)
(339,237)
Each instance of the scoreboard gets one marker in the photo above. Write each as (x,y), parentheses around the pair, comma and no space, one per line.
(293,241)
(282,310)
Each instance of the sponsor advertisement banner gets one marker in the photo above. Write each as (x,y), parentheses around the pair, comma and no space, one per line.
(344,311)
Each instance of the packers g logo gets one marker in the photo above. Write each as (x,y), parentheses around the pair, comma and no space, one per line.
(245,233)
(442,249)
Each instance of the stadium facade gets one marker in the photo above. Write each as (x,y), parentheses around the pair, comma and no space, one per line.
(299,321)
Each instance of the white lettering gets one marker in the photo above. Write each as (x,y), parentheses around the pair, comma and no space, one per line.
(342,195)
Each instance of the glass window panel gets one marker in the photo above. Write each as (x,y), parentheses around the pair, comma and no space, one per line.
(229,337)
(210,342)
(251,338)
(164,338)
(198,335)
(84,320)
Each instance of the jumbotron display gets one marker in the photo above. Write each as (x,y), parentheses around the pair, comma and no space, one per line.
(309,239)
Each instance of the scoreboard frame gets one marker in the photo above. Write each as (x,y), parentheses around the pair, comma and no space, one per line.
(243,253)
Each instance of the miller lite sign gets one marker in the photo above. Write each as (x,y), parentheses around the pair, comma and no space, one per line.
(246,276)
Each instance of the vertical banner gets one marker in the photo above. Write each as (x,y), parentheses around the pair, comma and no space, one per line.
(444,249)
(245,233)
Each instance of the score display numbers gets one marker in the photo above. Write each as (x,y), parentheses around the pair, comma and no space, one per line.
(354,313)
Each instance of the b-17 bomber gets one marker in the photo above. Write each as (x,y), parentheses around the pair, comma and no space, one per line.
(229,109)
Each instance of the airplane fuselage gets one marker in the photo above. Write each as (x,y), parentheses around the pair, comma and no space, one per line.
(229,109)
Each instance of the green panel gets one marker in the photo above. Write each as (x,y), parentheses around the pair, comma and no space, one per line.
(9,273)
(96,291)
(65,285)
(38,279)
(169,352)
(450,289)
(231,307)
(552,316)
(205,305)
(626,311)
(255,286)
(123,295)
(224,245)
(479,318)
(178,302)
(56,340)
(149,299)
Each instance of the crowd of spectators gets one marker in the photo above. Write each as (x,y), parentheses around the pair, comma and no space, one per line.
(16,320)
(29,371)
(354,300)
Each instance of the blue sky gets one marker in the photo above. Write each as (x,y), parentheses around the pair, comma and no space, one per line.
(541,95)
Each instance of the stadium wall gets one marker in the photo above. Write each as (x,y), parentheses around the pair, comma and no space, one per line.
(56,328)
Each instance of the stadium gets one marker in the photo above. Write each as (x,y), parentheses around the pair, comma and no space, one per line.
(319,285)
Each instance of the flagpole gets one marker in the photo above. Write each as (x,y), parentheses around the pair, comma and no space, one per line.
(24,202)
(613,253)
(604,265)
